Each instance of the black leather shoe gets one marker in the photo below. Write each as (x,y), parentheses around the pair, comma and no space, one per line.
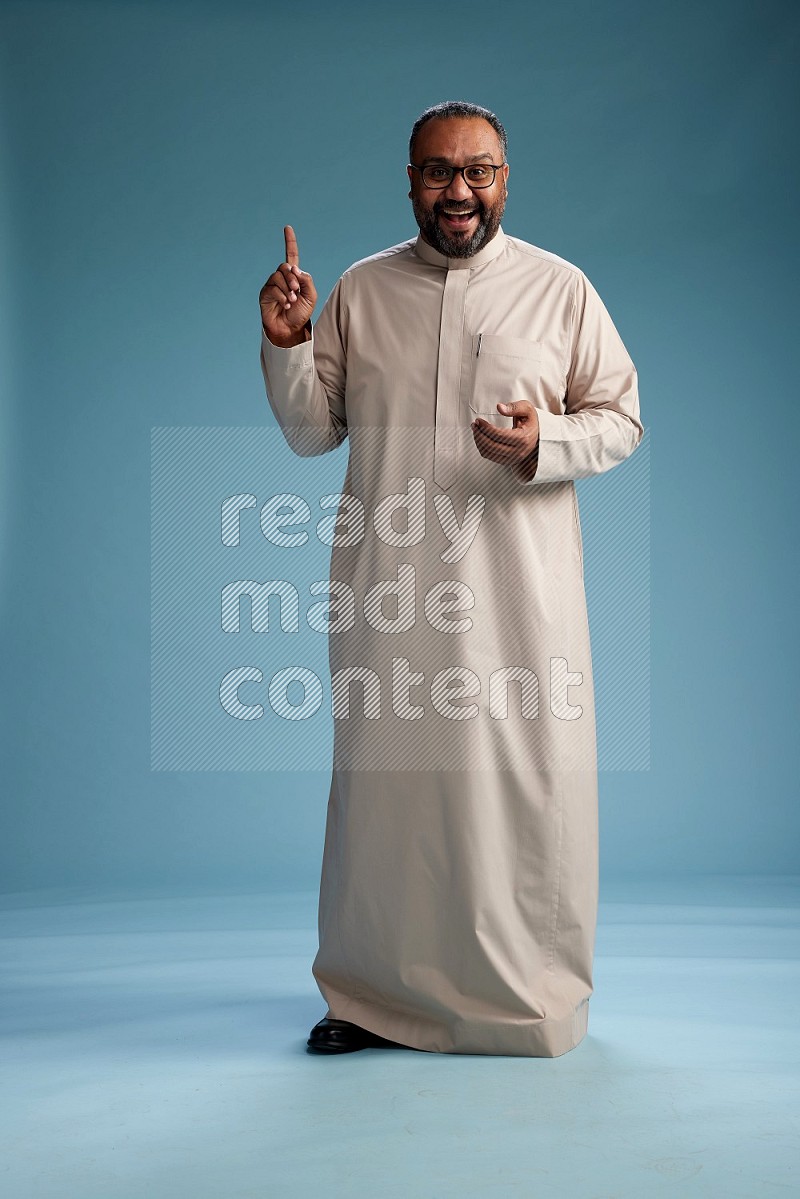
(340,1036)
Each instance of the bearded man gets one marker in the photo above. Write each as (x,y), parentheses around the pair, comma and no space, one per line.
(476,377)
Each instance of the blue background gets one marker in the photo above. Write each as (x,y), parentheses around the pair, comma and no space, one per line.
(151,154)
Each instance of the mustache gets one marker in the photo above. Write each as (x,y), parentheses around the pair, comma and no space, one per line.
(440,206)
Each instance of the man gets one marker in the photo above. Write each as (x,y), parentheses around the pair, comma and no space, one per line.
(476,377)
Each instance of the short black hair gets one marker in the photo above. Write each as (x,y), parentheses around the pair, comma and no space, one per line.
(457,108)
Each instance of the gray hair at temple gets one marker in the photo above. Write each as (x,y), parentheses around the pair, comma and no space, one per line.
(457,108)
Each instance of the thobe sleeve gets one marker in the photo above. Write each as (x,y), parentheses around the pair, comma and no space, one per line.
(600,424)
(306,383)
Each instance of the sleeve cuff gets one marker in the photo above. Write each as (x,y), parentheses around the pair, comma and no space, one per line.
(288,357)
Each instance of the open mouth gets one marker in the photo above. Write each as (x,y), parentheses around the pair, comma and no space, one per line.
(458,220)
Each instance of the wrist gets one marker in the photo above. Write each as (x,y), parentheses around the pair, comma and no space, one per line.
(301,336)
(526,469)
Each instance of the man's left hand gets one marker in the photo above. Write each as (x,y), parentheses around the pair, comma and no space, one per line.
(517,447)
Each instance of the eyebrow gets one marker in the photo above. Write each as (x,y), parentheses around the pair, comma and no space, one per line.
(474,158)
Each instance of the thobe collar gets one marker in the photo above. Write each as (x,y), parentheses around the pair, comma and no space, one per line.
(486,253)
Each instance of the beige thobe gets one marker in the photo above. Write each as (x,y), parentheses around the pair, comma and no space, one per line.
(458,897)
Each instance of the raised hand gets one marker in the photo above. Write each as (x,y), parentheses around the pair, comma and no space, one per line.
(287,298)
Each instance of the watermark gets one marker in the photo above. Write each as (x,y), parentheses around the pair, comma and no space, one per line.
(442,692)
(385,626)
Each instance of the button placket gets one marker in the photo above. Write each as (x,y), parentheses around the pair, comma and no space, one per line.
(448,379)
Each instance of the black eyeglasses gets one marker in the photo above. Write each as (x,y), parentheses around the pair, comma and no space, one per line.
(476,176)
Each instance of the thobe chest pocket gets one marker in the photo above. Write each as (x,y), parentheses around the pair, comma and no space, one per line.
(505,369)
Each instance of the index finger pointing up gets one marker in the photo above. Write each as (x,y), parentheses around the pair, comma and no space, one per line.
(292,253)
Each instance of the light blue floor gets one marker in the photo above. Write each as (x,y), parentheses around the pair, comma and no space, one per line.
(154,1046)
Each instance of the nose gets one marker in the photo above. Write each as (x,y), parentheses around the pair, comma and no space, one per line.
(458,188)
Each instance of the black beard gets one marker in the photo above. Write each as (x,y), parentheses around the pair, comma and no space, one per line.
(458,247)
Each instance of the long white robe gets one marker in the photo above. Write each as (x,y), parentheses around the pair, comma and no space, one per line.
(458,898)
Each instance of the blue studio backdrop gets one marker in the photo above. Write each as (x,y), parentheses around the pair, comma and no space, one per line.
(151,154)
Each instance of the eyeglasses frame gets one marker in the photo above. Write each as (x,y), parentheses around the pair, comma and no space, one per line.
(459,171)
